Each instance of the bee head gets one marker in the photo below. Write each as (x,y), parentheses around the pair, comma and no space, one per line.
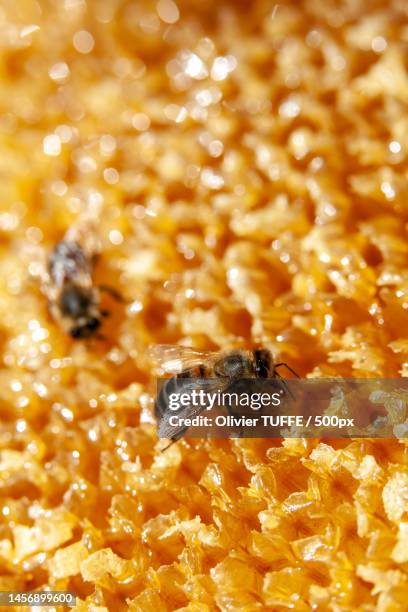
(87,329)
(263,363)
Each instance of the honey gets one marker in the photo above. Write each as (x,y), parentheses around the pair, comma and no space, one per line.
(246,166)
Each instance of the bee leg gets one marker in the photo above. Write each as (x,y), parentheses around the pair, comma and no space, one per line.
(112,292)
(241,431)
(232,412)
(285,365)
(285,385)
(168,446)
(175,439)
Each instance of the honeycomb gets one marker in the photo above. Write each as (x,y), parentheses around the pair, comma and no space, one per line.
(246,166)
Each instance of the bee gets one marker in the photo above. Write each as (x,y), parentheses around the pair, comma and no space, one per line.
(202,367)
(74,300)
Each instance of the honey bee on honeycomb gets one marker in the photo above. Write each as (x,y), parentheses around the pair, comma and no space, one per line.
(73,298)
(247,165)
(219,369)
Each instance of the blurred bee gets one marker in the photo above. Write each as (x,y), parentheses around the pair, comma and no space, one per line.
(74,300)
(187,363)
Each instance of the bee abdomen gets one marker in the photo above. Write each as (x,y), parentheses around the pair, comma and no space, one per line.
(75,301)
(174,385)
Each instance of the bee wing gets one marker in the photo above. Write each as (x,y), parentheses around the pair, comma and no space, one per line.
(175,432)
(173,359)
